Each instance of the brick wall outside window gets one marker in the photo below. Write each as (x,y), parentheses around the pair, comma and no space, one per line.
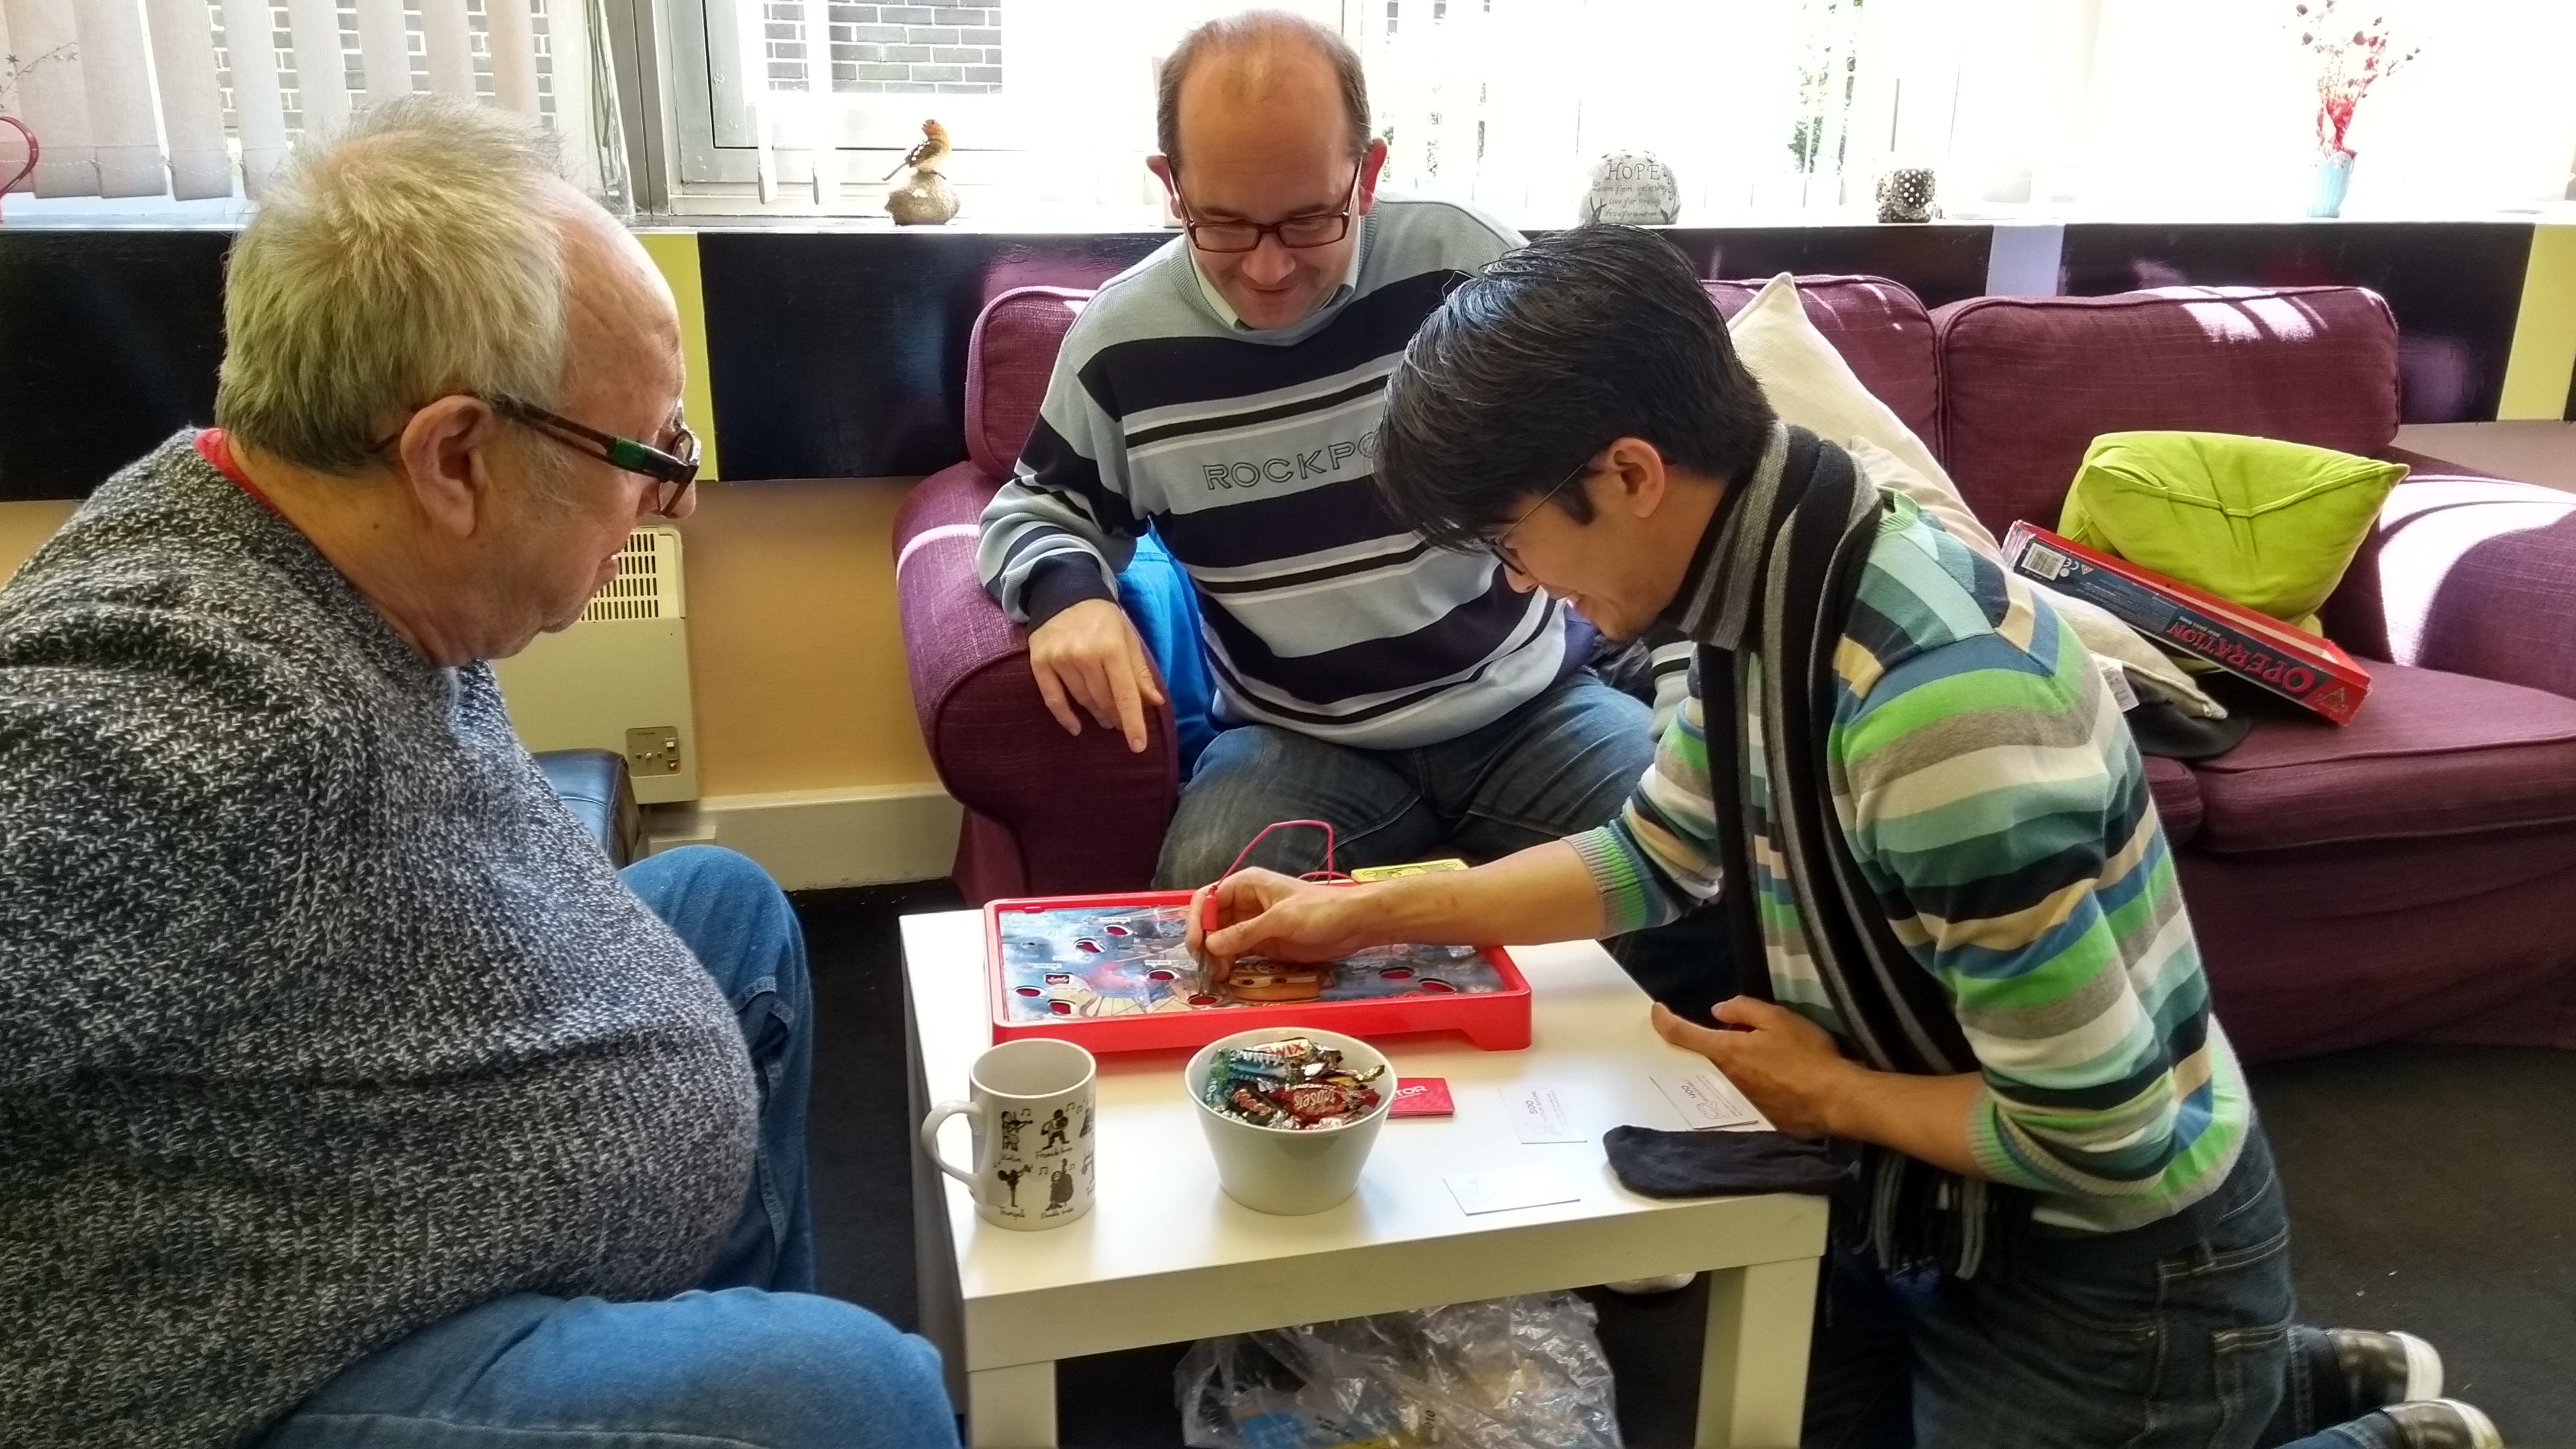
(880,49)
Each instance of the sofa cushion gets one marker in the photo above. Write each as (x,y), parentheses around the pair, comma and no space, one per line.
(2028,382)
(2177,796)
(2430,754)
(1008,361)
(1881,330)
(2257,521)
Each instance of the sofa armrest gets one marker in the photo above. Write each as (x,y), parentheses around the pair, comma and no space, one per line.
(1087,815)
(2471,576)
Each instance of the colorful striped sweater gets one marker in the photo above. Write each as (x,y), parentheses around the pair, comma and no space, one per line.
(1999,810)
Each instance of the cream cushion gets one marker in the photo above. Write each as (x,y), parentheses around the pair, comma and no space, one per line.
(1810,386)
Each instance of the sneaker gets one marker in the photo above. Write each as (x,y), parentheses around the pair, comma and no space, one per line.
(2373,1370)
(2441,1424)
(1647,1287)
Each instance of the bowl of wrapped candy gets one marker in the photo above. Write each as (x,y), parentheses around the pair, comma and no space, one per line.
(1290,1113)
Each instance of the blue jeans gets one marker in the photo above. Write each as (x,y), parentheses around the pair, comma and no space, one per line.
(1557,766)
(752,1359)
(1560,764)
(2174,1336)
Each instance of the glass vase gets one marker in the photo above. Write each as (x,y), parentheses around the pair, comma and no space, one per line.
(2334,173)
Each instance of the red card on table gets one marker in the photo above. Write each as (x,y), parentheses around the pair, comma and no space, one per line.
(1421,1097)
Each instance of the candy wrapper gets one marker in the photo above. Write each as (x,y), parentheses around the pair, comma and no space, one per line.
(1293,1084)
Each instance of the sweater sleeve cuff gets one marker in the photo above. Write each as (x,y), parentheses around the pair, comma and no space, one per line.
(1995,1158)
(1619,878)
(1057,584)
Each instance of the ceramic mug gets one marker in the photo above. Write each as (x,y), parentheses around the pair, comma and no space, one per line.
(1032,1103)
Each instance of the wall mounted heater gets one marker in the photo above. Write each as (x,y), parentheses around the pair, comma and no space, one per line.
(619,679)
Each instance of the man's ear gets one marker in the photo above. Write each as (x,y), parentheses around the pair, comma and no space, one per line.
(1372,162)
(1161,166)
(439,456)
(1637,467)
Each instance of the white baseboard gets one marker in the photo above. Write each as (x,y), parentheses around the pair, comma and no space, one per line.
(814,839)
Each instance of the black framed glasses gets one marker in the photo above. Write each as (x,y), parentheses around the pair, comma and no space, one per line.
(1315,229)
(676,471)
(1500,544)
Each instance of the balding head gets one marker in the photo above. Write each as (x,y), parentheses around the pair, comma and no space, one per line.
(1259,60)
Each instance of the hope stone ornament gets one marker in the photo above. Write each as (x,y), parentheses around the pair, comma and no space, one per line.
(1632,188)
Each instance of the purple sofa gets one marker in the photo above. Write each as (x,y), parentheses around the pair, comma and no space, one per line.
(2412,875)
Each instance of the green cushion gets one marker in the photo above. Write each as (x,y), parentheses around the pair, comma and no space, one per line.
(2266,524)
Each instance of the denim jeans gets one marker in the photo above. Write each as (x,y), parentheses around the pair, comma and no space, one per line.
(1557,766)
(751,1359)
(2174,1336)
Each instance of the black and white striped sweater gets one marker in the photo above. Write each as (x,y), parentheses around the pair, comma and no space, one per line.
(1250,453)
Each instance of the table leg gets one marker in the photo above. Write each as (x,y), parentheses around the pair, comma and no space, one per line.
(1012,1408)
(1753,1365)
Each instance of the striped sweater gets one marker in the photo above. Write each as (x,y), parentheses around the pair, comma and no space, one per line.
(1998,809)
(1249,453)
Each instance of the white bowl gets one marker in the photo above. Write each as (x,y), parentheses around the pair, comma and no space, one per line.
(1277,1169)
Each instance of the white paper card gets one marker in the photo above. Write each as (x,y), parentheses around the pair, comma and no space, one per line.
(1708,1102)
(1510,1187)
(1539,1115)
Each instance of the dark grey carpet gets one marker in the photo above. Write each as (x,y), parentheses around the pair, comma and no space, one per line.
(2431,1189)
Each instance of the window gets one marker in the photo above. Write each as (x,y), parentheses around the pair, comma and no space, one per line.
(1501,102)
(166,105)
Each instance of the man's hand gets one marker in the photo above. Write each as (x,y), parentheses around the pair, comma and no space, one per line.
(1090,656)
(1785,1064)
(1263,913)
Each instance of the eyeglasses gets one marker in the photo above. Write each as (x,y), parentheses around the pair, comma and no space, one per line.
(1499,545)
(1315,229)
(676,472)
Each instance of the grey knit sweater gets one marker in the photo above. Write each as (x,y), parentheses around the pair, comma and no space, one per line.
(320,1018)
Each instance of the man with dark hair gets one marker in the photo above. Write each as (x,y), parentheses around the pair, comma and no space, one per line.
(1933,828)
(1224,396)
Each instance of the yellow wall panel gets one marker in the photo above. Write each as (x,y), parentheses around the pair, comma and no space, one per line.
(2536,375)
(676,253)
(795,650)
(24,527)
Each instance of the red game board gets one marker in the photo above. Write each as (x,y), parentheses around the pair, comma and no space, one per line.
(1112,973)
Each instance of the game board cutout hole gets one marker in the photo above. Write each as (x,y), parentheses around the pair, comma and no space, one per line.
(1060,1007)
(1397,973)
(1026,990)
(1436,986)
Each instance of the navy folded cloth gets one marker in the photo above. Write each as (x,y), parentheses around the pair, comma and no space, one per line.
(1721,1164)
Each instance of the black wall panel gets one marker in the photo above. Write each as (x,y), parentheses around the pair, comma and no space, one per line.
(1938,263)
(843,354)
(109,342)
(2456,287)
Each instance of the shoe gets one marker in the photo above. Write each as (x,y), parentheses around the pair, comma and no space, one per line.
(1648,1287)
(2371,1371)
(2441,1424)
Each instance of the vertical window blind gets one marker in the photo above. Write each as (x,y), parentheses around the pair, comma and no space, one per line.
(198,99)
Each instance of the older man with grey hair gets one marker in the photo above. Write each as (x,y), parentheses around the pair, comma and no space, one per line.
(347,1094)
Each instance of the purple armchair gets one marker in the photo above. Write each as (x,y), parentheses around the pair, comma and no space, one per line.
(1046,813)
(2412,875)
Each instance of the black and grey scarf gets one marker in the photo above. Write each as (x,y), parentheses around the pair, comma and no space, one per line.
(1805,524)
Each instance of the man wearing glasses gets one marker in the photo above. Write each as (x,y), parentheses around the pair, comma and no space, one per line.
(347,1094)
(1227,392)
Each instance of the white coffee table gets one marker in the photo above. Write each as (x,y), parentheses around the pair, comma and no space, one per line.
(1164,1256)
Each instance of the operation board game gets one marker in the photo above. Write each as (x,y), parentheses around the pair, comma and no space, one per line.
(1114,973)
